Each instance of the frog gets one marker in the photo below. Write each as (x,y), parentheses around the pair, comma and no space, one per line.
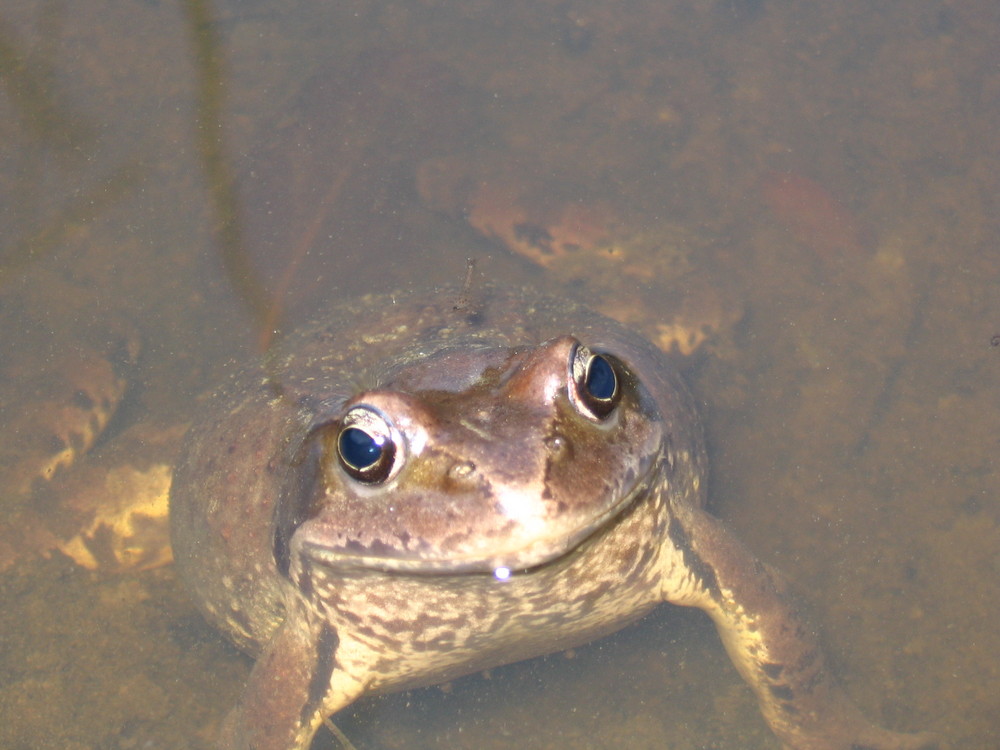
(65,486)
(428,484)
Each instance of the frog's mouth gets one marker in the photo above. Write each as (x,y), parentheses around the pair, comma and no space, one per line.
(515,555)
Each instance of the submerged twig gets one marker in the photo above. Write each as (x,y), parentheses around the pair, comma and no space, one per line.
(221,180)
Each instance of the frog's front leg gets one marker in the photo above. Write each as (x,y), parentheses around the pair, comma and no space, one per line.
(294,686)
(772,647)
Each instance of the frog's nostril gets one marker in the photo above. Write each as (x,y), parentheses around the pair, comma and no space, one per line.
(461,470)
(557,446)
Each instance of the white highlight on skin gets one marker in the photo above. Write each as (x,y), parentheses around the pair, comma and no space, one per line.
(502,574)
(416,436)
(523,508)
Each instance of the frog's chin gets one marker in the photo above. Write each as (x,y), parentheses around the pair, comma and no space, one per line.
(525,553)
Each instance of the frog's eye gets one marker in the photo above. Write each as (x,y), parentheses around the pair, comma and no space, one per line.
(595,388)
(367,445)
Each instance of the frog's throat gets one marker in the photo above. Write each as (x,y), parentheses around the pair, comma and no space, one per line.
(543,551)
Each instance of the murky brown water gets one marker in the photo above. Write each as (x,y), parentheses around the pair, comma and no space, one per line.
(839,164)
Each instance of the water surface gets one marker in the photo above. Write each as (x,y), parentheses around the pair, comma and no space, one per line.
(839,164)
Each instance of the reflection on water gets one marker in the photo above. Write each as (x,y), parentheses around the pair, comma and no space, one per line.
(811,186)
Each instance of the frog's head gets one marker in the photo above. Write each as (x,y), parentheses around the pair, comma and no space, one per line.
(472,460)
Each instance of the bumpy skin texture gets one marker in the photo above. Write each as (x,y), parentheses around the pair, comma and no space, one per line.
(502,462)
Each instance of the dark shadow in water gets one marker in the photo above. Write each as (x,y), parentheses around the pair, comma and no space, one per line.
(210,136)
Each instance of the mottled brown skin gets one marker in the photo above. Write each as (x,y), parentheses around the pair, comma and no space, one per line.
(342,588)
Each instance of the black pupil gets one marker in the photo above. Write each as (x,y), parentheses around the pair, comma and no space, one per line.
(360,449)
(600,378)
